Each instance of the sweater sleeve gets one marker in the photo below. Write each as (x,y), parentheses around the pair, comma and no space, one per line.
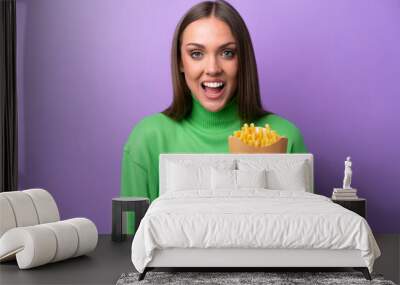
(134,183)
(134,177)
(298,145)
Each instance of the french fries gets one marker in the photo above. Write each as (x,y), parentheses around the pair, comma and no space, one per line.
(257,136)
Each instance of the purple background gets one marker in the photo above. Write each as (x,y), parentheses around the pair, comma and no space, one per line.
(89,70)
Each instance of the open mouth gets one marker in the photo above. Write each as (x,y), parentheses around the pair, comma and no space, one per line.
(213,88)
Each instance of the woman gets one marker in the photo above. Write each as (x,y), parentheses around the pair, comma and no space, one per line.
(216,90)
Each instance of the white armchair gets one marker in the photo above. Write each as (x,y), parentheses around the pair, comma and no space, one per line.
(31,230)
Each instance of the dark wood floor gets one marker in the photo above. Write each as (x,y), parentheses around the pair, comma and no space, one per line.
(103,266)
(110,260)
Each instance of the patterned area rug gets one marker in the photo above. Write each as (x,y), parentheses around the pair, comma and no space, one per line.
(270,278)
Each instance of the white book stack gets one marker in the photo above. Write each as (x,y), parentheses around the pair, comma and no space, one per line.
(344,194)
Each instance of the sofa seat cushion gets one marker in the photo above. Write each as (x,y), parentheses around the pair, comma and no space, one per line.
(40,244)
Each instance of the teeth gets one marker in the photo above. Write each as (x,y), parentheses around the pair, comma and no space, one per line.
(213,84)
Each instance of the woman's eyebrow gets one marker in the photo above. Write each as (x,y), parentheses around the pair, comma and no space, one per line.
(227,44)
(202,46)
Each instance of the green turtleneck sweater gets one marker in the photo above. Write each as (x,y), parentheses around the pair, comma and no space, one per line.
(201,132)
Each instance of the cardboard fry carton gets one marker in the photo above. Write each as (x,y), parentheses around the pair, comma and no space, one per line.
(237,146)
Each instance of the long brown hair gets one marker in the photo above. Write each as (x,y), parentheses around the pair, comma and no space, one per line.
(248,92)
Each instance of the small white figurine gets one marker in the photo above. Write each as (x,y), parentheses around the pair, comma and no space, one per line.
(347,173)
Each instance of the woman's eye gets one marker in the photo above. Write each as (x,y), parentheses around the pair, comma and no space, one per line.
(195,54)
(228,53)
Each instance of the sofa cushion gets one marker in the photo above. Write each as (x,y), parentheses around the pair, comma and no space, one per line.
(45,205)
(7,220)
(23,208)
(40,244)
(26,208)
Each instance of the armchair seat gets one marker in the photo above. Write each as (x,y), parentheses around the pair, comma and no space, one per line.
(31,231)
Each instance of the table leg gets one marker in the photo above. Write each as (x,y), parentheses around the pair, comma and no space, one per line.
(116,221)
(140,211)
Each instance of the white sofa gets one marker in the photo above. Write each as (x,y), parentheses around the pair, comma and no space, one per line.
(31,231)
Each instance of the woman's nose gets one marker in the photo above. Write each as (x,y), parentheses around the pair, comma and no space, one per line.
(213,67)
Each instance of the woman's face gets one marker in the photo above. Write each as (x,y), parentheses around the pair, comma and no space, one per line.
(209,62)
